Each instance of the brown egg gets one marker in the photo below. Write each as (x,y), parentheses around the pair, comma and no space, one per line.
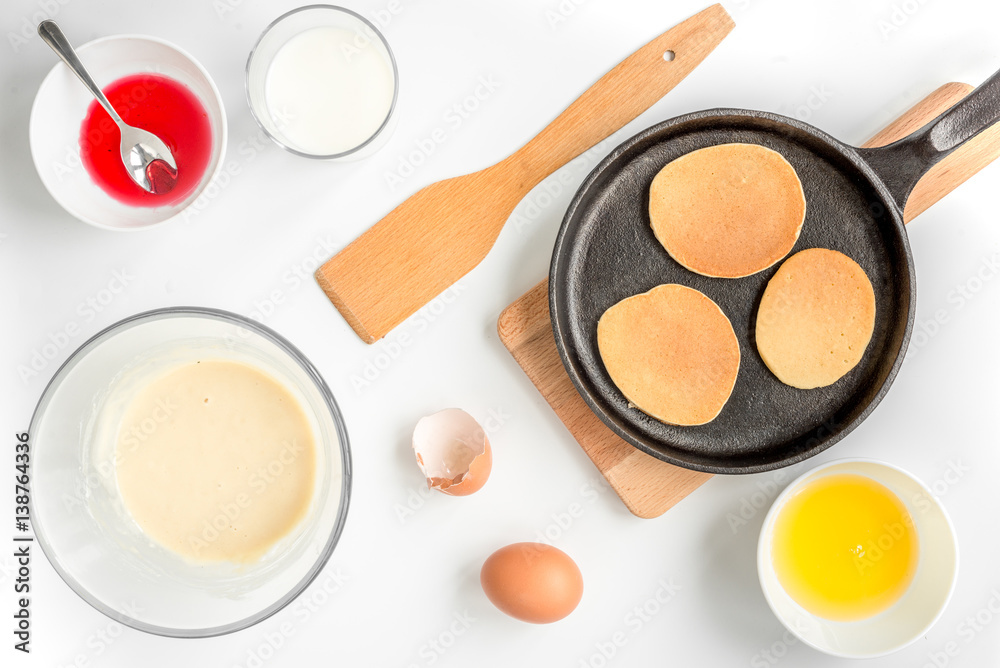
(532,582)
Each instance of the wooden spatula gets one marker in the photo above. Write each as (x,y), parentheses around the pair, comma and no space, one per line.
(444,230)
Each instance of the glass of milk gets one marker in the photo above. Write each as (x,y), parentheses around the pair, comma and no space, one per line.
(322,83)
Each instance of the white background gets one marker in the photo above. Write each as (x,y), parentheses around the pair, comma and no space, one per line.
(403,579)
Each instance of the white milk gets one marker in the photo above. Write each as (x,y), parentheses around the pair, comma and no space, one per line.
(329,89)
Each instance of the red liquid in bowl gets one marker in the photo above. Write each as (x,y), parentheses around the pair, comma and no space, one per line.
(168,109)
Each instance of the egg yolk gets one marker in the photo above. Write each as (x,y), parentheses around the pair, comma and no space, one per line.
(844,547)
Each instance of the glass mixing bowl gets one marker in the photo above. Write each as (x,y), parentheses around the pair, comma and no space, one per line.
(78,514)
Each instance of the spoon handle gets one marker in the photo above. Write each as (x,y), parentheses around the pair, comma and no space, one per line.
(52,35)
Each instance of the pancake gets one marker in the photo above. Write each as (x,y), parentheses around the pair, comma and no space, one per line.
(727,211)
(815,319)
(672,352)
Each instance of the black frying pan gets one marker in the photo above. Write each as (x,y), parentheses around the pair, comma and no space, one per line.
(606,251)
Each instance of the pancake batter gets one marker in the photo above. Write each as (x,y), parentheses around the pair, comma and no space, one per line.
(216,460)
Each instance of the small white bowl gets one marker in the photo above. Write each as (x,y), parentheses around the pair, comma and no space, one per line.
(911,616)
(61,105)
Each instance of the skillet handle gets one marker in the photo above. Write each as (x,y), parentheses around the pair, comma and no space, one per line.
(901,164)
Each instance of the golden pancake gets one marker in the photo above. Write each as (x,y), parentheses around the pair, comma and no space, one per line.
(727,211)
(672,352)
(815,319)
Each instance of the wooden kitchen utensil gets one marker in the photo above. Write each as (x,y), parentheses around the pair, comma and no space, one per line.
(649,487)
(444,230)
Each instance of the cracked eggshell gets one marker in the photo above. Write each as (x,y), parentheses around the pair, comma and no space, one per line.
(453,452)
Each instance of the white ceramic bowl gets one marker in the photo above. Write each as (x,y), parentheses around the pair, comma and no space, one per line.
(61,106)
(918,609)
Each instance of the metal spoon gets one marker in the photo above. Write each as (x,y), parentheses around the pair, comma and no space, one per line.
(139,148)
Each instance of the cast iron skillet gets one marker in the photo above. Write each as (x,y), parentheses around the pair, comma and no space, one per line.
(606,251)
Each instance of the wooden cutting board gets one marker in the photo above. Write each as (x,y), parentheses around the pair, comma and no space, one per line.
(648,486)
